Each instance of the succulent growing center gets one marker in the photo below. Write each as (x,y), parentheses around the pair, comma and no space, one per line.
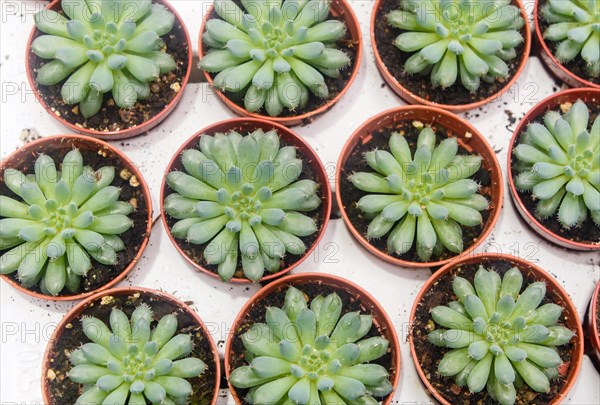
(138,365)
(418,190)
(57,217)
(274,38)
(243,204)
(580,164)
(499,333)
(313,361)
(103,41)
(458,24)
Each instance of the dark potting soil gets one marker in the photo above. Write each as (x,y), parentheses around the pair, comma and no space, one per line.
(588,231)
(335,85)
(64,391)
(131,191)
(420,85)
(577,65)
(429,355)
(256,314)
(196,252)
(357,163)
(112,118)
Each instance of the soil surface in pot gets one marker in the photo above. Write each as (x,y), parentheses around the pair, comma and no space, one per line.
(577,65)
(196,252)
(335,85)
(588,231)
(419,84)
(357,163)
(429,355)
(256,314)
(131,191)
(110,117)
(64,391)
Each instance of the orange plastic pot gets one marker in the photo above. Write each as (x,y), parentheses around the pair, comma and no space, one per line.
(554,290)
(468,138)
(74,316)
(368,305)
(413,98)
(244,126)
(31,60)
(340,10)
(591,327)
(550,60)
(24,158)
(587,95)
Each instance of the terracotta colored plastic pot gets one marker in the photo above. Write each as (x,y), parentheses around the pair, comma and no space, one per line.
(529,270)
(340,10)
(553,102)
(31,60)
(413,98)
(244,126)
(468,137)
(24,158)
(70,321)
(368,305)
(551,62)
(591,328)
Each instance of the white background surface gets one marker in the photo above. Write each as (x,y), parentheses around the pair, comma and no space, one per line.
(27,323)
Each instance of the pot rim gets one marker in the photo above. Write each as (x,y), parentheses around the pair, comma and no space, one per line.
(310,156)
(124,133)
(350,20)
(146,191)
(414,99)
(327,279)
(494,166)
(549,57)
(76,312)
(534,113)
(593,318)
(577,351)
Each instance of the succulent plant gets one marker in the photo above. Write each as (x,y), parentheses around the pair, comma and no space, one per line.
(60,219)
(429,195)
(311,355)
(465,39)
(575,24)
(242,194)
(500,337)
(559,162)
(274,51)
(103,46)
(133,364)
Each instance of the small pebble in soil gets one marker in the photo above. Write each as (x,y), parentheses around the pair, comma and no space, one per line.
(125,115)
(565,107)
(133,181)
(125,174)
(107,300)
